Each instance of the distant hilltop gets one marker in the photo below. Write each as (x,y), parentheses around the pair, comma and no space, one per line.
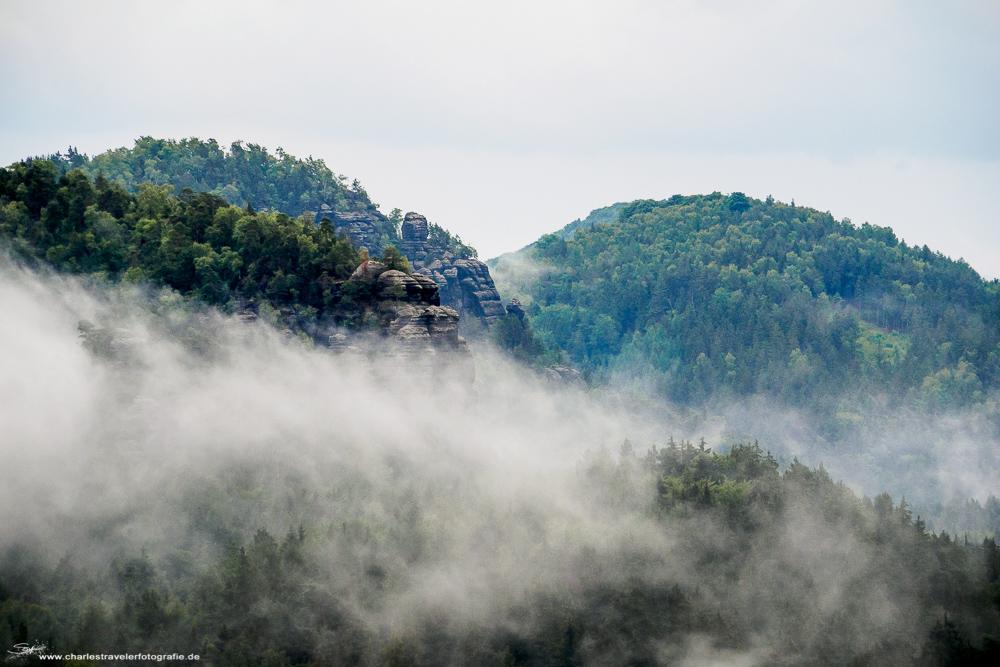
(708,296)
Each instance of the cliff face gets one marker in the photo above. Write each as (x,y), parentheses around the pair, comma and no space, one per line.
(359,227)
(410,314)
(465,284)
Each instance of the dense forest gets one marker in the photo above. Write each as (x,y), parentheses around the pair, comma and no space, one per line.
(787,566)
(196,242)
(247,173)
(716,296)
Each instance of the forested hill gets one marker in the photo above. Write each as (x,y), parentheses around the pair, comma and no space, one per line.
(606,215)
(196,244)
(246,173)
(239,229)
(727,295)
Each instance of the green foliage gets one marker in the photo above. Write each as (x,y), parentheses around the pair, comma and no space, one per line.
(195,243)
(441,237)
(949,388)
(393,259)
(606,215)
(878,349)
(738,202)
(719,296)
(746,491)
(513,334)
(735,550)
(969,517)
(246,174)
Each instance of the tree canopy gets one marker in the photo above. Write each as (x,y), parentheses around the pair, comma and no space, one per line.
(246,173)
(234,229)
(728,295)
(197,244)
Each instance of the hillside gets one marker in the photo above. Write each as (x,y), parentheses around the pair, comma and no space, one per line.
(247,172)
(195,243)
(239,229)
(605,215)
(727,295)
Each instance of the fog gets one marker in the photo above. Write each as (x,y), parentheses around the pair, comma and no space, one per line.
(926,458)
(882,444)
(425,510)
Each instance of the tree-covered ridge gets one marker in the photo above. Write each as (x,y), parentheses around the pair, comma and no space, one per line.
(605,215)
(441,237)
(790,561)
(730,294)
(246,173)
(237,228)
(195,243)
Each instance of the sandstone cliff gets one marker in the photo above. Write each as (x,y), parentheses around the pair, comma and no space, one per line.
(465,284)
(422,333)
(361,228)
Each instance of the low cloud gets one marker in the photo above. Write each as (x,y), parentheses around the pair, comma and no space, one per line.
(422,514)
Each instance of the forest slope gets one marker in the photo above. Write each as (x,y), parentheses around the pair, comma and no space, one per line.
(246,173)
(233,229)
(726,295)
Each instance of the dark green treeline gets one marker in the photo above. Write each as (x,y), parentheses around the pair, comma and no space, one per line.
(195,243)
(726,295)
(787,560)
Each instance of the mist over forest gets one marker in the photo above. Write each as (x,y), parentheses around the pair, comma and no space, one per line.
(829,340)
(689,444)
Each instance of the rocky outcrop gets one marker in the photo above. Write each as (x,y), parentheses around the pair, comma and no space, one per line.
(119,346)
(465,284)
(424,335)
(396,286)
(414,232)
(516,309)
(368,271)
(565,375)
(359,227)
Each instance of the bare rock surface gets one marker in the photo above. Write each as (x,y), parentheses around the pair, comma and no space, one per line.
(516,309)
(368,270)
(565,375)
(359,227)
(464,284)
(422,335)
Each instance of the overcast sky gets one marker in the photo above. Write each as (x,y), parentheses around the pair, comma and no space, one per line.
(505,120)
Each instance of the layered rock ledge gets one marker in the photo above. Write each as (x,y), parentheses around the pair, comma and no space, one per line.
(465,284)
(423,333)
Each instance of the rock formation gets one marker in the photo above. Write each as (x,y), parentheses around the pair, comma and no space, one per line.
(465,284)
(368,271)
(359,227)
(120,346)
(424,334)
(566,376)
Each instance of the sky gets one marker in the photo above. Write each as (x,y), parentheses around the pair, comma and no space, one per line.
(502,121)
